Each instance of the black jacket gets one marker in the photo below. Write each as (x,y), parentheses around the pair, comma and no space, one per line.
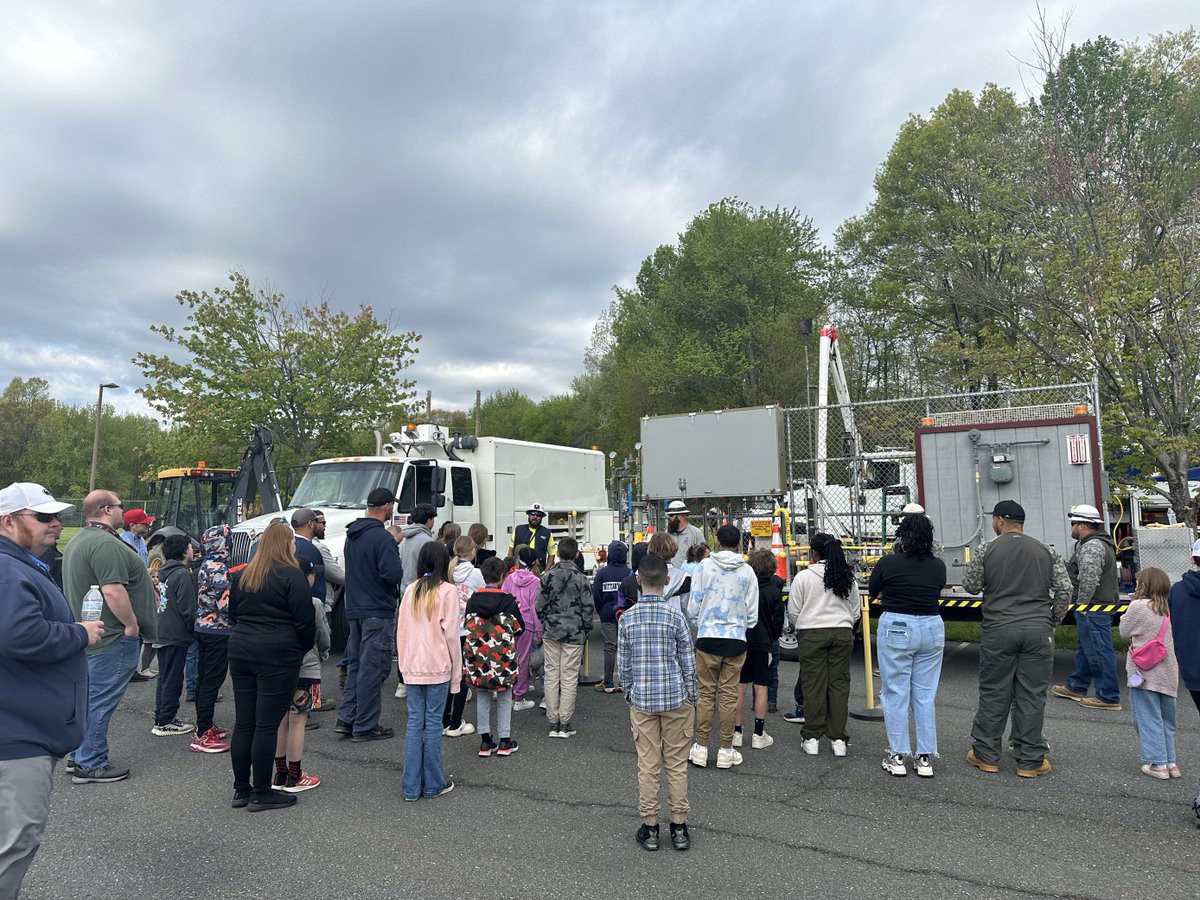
(176,605)
(770,613)
(277,623)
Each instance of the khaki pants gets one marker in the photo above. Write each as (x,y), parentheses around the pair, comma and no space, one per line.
(662,739)
(717,685)
(563,662)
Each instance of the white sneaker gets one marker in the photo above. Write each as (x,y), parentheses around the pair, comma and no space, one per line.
(519,705)
(698,755)
(839,748)
(924,765)
(810,746)
(542,705)
(727,758)
(173,727)
(401,691)
(463,728)
(761,741)
(893,764)
(737,739)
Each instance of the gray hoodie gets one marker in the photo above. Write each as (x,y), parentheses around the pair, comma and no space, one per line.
(415,537)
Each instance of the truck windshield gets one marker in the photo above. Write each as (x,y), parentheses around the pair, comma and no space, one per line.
(344,485)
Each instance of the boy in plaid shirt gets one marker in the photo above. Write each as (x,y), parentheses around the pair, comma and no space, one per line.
(657,666)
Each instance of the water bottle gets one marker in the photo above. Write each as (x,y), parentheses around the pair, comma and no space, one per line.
(93,602)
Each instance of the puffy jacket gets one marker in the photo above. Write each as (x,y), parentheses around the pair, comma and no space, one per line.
(524,585)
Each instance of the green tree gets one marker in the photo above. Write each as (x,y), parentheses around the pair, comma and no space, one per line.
(248,357)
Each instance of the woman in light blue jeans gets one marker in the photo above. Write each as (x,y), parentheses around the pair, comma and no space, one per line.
(910,643)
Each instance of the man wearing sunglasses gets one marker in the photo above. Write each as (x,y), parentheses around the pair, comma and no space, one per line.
(41,662)
(98,556)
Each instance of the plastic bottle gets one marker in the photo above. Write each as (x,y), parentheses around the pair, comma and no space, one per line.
(93,602)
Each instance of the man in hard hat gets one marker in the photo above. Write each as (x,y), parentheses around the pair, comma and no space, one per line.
(1093,571)
(686,535)
(534,535)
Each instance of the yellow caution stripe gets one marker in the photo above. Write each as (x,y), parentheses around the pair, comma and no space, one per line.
(975,603)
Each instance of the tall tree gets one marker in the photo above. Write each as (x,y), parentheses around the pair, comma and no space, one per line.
(249,357)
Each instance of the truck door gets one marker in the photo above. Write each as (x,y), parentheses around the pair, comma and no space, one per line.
(464,507)
(504,504)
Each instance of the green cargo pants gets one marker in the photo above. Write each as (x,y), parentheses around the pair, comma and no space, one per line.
(825,672)
(1015,665)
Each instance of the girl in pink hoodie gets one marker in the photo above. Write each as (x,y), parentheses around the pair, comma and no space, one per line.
(429,654)
(523,585)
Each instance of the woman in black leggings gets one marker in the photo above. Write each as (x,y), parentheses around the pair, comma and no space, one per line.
(273,625)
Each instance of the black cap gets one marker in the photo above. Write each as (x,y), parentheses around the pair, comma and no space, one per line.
(1010,509)
(380,497)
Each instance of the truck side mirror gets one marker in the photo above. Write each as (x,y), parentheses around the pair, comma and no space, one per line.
(437,499)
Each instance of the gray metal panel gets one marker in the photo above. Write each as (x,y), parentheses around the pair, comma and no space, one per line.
(732,453)
(1169,547)
(1044,482)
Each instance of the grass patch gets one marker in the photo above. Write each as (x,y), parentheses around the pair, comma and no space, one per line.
(1064,635)
(65,537)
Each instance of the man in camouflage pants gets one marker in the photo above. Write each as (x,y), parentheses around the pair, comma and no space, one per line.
(1026,591)
(564,606)
(1093,571)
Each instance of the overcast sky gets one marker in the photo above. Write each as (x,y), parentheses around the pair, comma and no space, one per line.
(480,172)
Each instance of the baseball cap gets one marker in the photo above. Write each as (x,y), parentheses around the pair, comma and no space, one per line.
(380,496)
(137,516)
(1009,509)
(27,495)
(304,515)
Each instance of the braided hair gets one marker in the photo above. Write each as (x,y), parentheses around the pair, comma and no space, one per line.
(839,577)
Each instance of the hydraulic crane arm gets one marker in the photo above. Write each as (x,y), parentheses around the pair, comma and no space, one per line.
(255,477)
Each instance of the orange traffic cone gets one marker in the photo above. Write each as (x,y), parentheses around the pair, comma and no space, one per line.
(777,549)
(649,531)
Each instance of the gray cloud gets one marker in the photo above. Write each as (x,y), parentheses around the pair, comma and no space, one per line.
(482,173)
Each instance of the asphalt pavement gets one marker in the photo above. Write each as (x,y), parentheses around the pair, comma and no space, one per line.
(557,818)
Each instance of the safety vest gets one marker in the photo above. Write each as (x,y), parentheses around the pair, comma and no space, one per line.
(1106,589)
(539,540)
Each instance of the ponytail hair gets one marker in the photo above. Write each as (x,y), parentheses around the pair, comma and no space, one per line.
(432,562)
(839,577)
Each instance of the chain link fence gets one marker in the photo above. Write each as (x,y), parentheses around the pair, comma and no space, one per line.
(851,468)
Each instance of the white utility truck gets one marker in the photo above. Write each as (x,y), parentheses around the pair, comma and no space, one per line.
(467,479)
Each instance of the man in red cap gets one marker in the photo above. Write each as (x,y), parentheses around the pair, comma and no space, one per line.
(137,526)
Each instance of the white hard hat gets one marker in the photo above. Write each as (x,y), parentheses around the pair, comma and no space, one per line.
(1085,513)
(677,508)
(912,509)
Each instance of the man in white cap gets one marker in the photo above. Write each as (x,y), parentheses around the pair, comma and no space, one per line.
(1093,571)
(686,535)
(42,715)
(535,535)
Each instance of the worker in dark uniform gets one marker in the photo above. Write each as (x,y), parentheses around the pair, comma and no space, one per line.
(534,535)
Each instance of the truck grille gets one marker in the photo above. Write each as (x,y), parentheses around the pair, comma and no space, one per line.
(239,548)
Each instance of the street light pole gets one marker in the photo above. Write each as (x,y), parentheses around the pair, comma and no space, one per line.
(96,439)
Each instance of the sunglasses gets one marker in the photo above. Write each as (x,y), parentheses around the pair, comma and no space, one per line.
(44,518)
(114,506)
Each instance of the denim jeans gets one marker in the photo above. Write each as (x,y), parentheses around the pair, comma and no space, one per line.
(368,662)
(910,663)
(109,671)
(1154,719)
(1095,659)
(423,774)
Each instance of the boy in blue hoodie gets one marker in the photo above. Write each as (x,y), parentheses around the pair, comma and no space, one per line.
(605,588)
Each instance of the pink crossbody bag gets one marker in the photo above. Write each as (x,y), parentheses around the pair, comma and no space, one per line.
(1151,653)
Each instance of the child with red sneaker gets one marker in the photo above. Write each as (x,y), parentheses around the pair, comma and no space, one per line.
(490,660)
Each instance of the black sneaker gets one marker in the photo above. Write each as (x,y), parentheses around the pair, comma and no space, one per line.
(270,800)
(486,745)
(70,765)
(138,678)
(566,730)
(680,839)
(99,775)
(241,798)
(378,733)
(344,728)
(647,837)
(507,747)
(796,716)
